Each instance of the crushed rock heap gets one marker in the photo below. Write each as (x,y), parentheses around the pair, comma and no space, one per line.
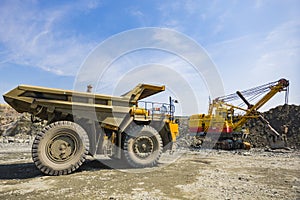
(16,127)
(281,115)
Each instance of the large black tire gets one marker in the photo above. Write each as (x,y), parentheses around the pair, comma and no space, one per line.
(142,146)
(60,148)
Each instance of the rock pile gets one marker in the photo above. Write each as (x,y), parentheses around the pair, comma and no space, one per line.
(281,115)
(16,127)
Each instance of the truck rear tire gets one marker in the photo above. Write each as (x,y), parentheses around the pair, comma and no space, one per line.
(60,148)
(142,146)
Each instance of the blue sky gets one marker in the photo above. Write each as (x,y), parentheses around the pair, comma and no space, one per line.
(250,42)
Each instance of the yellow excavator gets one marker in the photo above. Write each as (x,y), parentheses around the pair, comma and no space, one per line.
(223,126)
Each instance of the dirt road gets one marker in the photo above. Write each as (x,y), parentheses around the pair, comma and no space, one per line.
(195,175)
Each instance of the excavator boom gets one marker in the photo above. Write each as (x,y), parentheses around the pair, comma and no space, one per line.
(281,85)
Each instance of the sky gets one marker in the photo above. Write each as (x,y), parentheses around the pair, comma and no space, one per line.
(249,43)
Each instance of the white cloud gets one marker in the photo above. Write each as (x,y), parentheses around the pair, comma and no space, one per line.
(169,72)
(256,59)
(258,4)
(182,80)
(146,47)
(91,4)
(279,50)
(32,36)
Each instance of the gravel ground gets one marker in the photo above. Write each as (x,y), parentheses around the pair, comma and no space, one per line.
(187,174)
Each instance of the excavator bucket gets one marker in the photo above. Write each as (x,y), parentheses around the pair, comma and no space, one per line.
(274,139)
(276,142)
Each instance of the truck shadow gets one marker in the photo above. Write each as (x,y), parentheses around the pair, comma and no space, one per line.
(29,170)
(18,171)
(108,164)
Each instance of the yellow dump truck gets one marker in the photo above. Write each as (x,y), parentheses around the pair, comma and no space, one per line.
(82,123)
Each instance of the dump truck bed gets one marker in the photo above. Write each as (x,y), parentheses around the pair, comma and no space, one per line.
(43,102)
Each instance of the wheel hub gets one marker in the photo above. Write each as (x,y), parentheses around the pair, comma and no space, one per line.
(143,146)
(61,148)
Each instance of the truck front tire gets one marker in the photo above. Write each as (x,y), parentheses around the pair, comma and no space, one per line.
(60,148)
